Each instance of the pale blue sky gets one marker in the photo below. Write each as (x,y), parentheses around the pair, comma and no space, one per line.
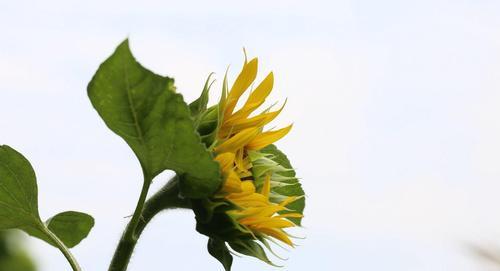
(395,106)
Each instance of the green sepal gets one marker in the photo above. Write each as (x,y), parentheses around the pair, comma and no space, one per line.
(143,108)
(221,226)
(213,221)
(206,120)
(218,249)
(287,184)
(251,248)
(199,106)
(204,208)
(208,126)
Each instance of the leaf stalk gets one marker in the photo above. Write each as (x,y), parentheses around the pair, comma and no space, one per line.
(61,246)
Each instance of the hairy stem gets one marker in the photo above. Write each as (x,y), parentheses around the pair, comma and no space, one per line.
(166,198)
(62,247)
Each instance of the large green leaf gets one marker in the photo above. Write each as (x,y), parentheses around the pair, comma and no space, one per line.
(294,188)
(19,204)
(143,109)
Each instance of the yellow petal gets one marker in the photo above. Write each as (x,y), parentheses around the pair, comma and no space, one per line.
(248,163)
(248,186)
(223,99)
(252,221)
(240,164)
(270,210)
(288,201)
(256,98)
(250,211)
(226,161)
(232,183)
(275,222)
(291,215)
(267,138)
(236,125)
(243,81)
(259,95)
(265,211)
(266,188)
(252,200)
(238,141)
(235,119)
(278,234)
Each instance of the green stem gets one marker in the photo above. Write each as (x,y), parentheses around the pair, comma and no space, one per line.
(62,247)
(166,198)
(129,239)
(130,233)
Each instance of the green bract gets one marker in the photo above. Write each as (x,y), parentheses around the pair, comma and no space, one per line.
(286,184)
(213,221)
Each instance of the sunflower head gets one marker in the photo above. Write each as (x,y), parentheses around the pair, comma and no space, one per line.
(260,197)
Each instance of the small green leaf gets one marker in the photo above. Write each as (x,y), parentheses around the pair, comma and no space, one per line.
(143,109)
(293,189)
(18,191)
(19,202)
(71,227)
(219,250)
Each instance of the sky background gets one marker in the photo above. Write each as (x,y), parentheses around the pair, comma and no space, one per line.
(395,106)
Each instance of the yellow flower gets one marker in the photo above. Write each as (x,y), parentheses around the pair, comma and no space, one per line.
(240,136)
(237,129)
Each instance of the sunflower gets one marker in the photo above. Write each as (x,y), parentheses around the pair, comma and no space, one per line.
(239,136)
(260,197)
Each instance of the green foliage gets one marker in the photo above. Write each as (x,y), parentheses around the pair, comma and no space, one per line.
(19,202)
(293,187)
(143,109)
